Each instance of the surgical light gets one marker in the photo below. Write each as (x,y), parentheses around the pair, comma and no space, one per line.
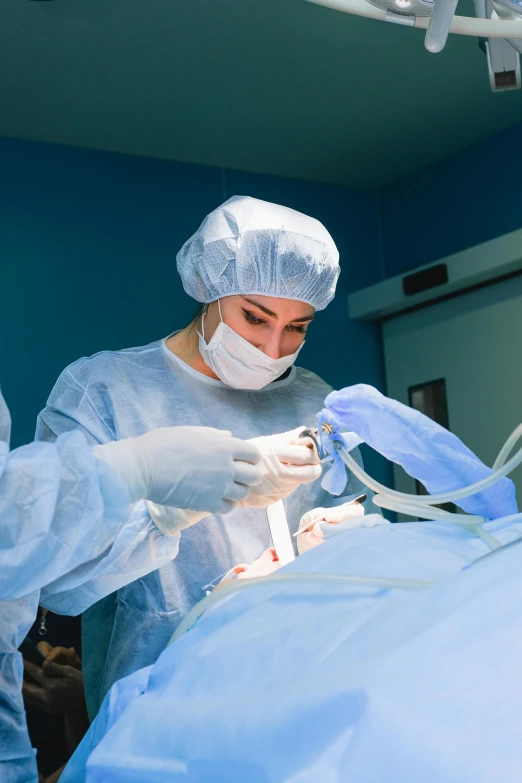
(497,22)
(508,9)
(406,8)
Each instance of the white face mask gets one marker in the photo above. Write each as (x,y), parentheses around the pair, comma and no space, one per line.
(238,363)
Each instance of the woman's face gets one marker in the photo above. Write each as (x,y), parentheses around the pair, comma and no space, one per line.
(275,326)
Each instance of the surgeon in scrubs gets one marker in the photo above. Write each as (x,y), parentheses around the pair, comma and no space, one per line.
(64,523)
(260,272)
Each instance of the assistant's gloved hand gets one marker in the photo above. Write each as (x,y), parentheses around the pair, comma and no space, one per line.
(287,461)
(326,522)
(193,468)
(265,565)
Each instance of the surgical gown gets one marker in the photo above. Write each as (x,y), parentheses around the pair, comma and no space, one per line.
(115,395)
(63,521)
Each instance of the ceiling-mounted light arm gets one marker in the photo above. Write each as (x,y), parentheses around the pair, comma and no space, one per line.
(507,10)
(502,55)
(516,43)
(484,9)
(513,12)
(461,25)
(439,25)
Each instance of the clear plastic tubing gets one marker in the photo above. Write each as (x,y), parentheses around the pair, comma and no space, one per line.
(328,580)
(443,497)
(470,522)
(421,505)
(508,447)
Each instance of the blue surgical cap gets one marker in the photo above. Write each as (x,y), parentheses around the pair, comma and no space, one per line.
(248,246)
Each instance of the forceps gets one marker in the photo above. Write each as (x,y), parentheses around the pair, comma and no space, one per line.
(313,434)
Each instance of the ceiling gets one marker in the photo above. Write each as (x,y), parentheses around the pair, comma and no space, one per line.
(274,86)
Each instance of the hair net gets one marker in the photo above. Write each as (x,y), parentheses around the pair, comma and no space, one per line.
(247,246)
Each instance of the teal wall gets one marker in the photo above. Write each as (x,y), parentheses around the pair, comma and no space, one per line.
(463,200)
(87,251)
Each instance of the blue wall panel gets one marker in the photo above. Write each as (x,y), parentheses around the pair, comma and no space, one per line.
(466,199)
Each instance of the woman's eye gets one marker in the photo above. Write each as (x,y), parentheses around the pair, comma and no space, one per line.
(252,319)
(298,329)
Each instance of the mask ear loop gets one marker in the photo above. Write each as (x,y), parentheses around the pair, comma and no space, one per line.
(203,314)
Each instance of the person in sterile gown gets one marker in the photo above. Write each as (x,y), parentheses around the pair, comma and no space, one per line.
(63,519)
(261,271)
(414,679)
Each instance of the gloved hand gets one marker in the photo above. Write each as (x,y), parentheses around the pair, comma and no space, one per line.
(194,468)
(287,461)
(265,565)
(171,520)
(326,522)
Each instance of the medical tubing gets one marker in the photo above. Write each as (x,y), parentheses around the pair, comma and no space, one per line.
(416,505)
(428,500)
(508,447)
(469,522)
(412,504)
(415,509)
(339,580)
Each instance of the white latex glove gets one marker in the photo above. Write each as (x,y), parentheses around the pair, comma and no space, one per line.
(286,463)
(327,522)
(171,520)
(265,565)
(193,468)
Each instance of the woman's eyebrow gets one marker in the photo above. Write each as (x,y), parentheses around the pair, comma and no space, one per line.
(304,318)
(274,315)
(261,307)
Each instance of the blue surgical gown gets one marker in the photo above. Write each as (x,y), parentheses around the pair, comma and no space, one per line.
(64,521)
(114,395)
